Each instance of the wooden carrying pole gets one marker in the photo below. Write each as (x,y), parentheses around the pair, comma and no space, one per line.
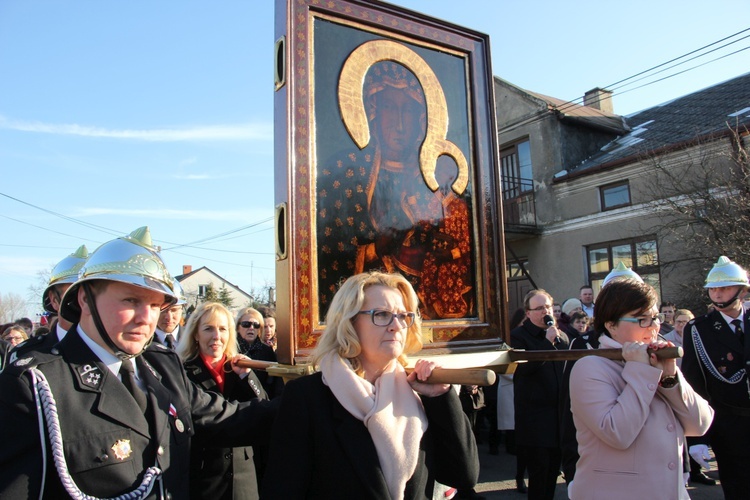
(471,375)
(521,356)
(463,376)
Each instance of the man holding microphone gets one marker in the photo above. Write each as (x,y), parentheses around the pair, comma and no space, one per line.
(537,395)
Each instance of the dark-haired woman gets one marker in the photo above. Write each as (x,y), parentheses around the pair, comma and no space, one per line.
(632,416)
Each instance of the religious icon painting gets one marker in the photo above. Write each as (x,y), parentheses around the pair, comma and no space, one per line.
(386,159)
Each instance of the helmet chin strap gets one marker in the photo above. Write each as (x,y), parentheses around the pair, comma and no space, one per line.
(722,305)
(103,331)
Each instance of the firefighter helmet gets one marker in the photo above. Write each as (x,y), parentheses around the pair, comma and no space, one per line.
(131,259)
(726,273)
(621,272)
(66,271)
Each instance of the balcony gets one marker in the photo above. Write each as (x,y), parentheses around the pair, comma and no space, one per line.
(519,205)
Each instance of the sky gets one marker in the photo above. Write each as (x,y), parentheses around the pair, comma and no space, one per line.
(117,115)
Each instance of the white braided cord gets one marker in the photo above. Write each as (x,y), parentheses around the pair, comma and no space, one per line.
(43,395)
(703,355)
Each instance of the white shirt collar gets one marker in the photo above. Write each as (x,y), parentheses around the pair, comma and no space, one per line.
(60,332)
(162,335)
(729,319)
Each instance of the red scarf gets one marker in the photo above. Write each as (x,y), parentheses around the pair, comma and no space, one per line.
(217,375)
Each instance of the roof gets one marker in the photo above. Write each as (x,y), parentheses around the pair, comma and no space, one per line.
(585,115)
(183,277)
(699,115)
(566,110)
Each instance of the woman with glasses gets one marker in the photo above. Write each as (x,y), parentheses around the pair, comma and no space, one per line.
(632,416)
(250,326)
(208,352)
(14,335)
(361,427)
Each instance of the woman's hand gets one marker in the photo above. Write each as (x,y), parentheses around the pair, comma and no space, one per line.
(667,366)
(635,351)
(237,369)
(422,371)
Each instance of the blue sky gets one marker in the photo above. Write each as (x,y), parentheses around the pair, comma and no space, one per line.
(115,115)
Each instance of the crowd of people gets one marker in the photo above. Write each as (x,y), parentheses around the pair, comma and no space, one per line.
(127,396)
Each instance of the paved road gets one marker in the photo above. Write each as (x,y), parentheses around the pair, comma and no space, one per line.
(497,479)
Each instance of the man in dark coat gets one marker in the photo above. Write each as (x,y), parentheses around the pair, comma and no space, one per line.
(537,395)
(715,363)
(117,413)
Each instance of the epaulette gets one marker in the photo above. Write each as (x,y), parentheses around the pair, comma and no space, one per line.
(701,319)
(29,344)
(158,347)
(20,361)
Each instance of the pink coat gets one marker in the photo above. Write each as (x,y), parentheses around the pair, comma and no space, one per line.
(631,431)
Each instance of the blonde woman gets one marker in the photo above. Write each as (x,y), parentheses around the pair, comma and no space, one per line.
(208,350)
(362,428)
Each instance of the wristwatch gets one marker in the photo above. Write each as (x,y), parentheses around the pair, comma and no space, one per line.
(669,381)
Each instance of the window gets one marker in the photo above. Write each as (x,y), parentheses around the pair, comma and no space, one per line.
(202,290)
(639,254)
(514,271)
(615,195)
(515,169)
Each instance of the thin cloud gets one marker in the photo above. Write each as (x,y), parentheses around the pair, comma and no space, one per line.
(194,177)
(165,213)
(247,131)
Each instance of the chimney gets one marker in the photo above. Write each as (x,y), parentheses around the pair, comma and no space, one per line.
(600,99)
(187,269)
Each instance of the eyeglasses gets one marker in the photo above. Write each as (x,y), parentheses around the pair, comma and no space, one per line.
(248,324)
(644,322)
(385,318)
(542,308)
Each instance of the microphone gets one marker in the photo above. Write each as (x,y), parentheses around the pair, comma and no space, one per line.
(549,320)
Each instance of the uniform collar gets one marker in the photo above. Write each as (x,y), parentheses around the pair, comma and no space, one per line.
(106,357)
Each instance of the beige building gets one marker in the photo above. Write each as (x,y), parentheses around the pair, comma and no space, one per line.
(584,188)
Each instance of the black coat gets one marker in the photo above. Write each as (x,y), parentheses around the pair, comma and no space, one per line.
(99,420)
(727,355)
(319,450)
(259,351)
(536,389)
(223,473)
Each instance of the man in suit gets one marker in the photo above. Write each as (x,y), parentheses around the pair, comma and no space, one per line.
(117,412)
(537,395)
(716,360)
(168,327)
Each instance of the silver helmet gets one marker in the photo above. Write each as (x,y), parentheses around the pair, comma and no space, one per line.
(621,272)
(131,259)
(726,273)
(66,271)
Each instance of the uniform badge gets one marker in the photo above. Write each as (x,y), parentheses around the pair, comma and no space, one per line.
(90,375)
(122,449)
(177,422)
(718,325)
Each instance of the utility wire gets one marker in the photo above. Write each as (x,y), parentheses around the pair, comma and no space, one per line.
(574,102)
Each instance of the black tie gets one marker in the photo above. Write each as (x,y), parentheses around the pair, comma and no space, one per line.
(127,373)
(169,339)
(738,330)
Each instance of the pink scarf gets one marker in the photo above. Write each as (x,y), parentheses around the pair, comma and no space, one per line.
(391,411)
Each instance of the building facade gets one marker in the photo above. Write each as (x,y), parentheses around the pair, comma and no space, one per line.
(584,188)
